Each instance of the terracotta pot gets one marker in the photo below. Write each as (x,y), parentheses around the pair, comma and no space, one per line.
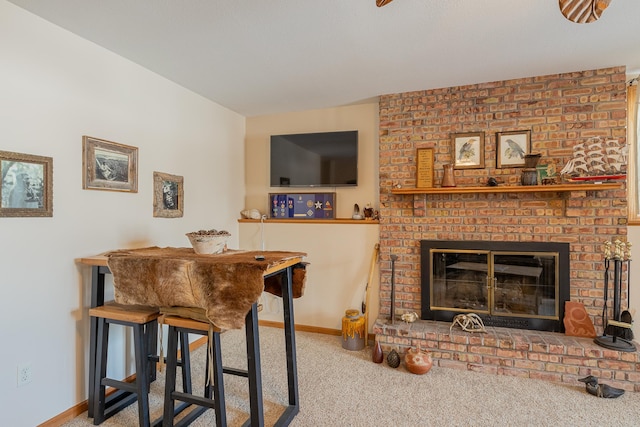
(418,361)
(448,178)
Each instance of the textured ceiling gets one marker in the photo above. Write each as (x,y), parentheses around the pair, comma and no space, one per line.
(260,57)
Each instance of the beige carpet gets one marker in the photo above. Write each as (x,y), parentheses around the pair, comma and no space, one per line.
(344,388)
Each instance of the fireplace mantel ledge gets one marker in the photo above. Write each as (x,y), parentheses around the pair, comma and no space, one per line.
(511,189)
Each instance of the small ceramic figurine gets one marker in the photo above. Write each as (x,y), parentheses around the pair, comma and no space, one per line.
(368,211)
(356,212)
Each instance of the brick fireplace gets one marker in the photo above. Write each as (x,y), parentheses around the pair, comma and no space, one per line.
(560,110)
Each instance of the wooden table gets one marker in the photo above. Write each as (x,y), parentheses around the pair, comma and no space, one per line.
(100,268)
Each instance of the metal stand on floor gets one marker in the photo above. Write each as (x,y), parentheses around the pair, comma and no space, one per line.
(613,341)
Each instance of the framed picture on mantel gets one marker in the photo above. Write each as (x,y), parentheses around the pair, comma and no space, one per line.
(424,168)
(468,150)
(512,147)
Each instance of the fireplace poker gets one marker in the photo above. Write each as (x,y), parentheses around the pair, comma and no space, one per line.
(393,288)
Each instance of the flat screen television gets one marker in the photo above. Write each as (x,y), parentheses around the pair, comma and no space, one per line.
(325,159)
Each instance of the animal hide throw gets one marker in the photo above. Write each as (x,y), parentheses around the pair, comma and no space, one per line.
(225,285)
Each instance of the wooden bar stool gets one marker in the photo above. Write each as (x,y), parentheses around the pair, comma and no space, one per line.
(143,321)
(214,387)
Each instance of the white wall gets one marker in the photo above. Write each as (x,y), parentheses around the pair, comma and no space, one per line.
(361,117)
(339,254)
(55,88)
(339,257)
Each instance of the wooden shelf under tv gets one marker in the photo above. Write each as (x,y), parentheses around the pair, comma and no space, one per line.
(560,188)
(314,221)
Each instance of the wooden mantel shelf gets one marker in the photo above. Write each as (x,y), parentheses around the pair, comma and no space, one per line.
(511,189)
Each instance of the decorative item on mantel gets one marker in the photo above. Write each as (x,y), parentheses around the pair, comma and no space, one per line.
(530,173)
(206,242)
(448,179)
(597,160)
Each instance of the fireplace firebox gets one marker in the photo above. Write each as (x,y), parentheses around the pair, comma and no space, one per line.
(520,285)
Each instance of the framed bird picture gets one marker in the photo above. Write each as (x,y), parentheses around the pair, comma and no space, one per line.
(468,150)
(512,147)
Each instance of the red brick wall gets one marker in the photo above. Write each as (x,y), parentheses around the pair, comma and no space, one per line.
(560,110)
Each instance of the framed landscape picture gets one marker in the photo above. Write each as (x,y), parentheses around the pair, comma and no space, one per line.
(511,147)
(27,185)
(168,195)
(468,150)
(109,166)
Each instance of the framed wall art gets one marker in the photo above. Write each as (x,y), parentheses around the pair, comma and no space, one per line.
(168,195)
(468,150)
(109,166)
(424,168)
(27,185)
(511,148)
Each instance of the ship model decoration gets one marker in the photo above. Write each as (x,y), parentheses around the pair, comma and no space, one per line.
(597,160)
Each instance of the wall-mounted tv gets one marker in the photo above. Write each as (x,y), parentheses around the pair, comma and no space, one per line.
(325,159)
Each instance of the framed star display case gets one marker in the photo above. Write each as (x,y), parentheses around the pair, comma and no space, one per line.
(302,205)
(511,147)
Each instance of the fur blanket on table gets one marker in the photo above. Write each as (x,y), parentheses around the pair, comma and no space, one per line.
(225,285)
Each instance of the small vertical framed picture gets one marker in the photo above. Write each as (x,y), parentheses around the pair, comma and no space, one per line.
(27,185)
(168,195)
(511,147)
(424,168)
(468,150)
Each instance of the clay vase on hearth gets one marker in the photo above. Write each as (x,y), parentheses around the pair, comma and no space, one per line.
(418,361)
(448,179)
(376,354)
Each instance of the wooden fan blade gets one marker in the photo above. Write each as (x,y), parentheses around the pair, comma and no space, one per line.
(381,3)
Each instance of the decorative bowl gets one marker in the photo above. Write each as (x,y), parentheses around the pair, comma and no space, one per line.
(208,241)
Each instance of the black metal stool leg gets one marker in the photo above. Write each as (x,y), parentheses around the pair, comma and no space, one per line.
(142,375)
(170,379)
(99,395)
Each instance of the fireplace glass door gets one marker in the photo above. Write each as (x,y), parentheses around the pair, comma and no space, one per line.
(496,283)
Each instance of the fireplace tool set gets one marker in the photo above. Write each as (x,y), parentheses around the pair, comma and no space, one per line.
(617,332)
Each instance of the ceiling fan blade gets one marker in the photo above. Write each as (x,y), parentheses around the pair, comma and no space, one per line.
(583,11)
(381,3)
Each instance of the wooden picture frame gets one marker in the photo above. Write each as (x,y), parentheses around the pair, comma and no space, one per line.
(27,185)
(424,167)
(109,166)
(168,195)
(468,150)
(511,147)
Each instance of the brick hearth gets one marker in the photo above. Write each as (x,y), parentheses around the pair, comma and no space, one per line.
(541,355)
